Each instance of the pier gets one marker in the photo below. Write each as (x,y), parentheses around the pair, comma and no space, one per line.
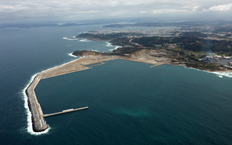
(65,111)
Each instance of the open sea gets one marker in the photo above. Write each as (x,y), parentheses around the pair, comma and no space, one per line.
(129,102)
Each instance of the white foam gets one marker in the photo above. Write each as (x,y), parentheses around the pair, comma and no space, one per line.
(94,50)
(108,44)
(224,74)
(219,74)
(29,120)
(115,48)
(66,38)
(84,40)
(70,54)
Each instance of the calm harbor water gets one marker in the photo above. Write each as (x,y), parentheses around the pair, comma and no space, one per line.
(129,103)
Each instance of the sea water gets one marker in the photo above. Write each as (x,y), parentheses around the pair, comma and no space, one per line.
(129,102)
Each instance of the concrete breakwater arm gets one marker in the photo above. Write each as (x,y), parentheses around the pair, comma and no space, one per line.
(65,111)
(38,122)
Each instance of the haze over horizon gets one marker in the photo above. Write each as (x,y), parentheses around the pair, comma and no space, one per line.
(13,11)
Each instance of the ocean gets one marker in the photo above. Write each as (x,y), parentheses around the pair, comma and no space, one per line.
(129,102)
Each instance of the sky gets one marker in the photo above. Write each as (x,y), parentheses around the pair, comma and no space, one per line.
(78,10)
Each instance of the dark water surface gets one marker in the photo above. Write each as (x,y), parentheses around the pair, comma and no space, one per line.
(129,103)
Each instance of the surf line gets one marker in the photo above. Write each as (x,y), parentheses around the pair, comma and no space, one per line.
(29,113)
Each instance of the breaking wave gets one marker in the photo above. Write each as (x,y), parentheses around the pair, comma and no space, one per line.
(223,74)
(219,74)
(29,120)
(70,54)
(66,38)
(84,40)
(94,50)
(108,44)
(115,48)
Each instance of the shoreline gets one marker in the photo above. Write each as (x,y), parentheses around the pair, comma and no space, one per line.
(36,122)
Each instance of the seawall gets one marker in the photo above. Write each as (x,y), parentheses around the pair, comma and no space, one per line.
(37,114)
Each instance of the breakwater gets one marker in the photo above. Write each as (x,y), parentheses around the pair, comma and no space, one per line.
(37,116)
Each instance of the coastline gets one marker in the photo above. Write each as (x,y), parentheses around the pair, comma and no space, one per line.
(36,122)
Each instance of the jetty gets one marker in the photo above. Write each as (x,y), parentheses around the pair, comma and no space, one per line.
(65,111)
(37,116)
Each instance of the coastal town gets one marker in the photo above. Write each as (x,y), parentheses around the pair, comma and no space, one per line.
(201,47)
(208,32)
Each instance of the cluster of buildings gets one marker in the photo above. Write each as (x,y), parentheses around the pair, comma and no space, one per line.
(169,32)
(212,57)
(161,32)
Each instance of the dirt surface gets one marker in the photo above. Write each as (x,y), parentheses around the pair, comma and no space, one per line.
(76,65)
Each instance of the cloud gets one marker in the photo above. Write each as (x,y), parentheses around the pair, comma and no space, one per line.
(221,7)
(92,9)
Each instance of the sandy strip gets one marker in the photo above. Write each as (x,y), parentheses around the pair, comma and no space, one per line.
(153,61)
(75,65)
